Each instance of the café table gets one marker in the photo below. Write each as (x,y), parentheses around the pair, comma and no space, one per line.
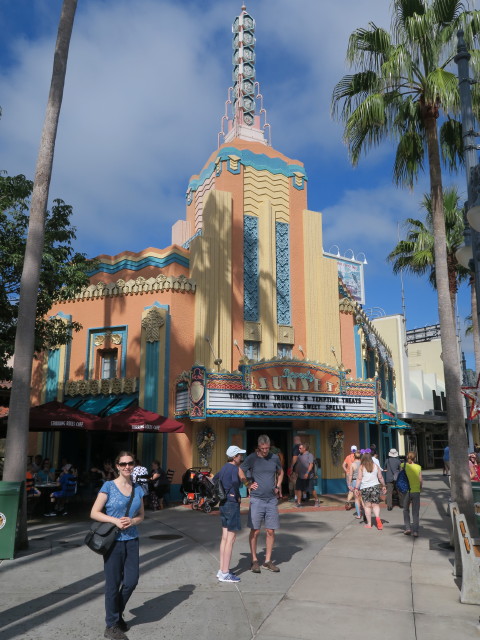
(46,489)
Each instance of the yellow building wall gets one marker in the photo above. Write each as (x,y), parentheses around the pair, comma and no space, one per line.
(321,295)
(266,196)
(392,331)
(261,186)
(211,268)
(267,283)
(426,357)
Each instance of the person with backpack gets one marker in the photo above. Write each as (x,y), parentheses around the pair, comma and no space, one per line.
(392,469)
(414,475)
(229,510)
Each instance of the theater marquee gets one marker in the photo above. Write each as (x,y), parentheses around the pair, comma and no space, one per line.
(286,389)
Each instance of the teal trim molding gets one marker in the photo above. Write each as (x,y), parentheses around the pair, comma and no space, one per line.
(258,161)
(250,269)
(51,386)
(138,265)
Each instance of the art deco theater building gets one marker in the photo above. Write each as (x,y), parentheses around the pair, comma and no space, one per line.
(242,326)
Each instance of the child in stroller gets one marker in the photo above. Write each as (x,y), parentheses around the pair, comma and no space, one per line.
(198,489)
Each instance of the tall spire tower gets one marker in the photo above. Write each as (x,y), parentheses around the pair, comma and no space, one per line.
(242,120)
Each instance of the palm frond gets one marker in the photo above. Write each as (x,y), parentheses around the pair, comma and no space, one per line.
(398,69)
(367,126)
(369,48)
(403,10)
(447,11)
(353,90)
(469,22)
(409,159)
(451,143)
(441,88)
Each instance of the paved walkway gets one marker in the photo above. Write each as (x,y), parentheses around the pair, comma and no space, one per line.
(337,580)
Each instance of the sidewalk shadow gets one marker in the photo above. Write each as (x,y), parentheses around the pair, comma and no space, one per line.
(157,608)
(280,555)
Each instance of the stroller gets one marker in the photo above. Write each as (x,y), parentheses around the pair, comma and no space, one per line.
(198,489)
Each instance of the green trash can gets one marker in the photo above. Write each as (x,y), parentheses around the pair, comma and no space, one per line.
(476,491)
(10,495)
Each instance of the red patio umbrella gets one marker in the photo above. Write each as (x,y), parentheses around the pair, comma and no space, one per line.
(136,419)
(56,416)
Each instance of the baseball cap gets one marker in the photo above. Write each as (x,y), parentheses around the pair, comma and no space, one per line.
(234,451)
(353,448)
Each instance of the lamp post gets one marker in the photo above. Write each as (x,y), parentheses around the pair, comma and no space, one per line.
(470,154)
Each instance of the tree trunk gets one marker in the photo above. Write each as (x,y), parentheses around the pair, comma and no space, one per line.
(475,327)
(18,419)
(457,437)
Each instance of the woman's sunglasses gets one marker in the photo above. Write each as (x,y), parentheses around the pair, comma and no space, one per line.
(126,464)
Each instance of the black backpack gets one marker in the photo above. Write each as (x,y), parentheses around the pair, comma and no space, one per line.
(219,490)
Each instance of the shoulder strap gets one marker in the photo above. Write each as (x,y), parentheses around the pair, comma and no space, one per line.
(129,504)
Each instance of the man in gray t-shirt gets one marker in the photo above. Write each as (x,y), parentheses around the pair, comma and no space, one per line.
(265,486)
(305,480)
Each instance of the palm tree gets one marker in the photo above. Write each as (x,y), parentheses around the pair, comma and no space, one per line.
(416,253)
(18,419)
(400,89)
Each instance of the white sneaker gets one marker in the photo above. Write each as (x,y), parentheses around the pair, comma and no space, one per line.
(229,577)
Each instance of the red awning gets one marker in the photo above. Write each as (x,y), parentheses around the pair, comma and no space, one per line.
(56,416)
(136,419)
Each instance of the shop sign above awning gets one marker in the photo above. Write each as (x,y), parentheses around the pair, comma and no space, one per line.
(286,389)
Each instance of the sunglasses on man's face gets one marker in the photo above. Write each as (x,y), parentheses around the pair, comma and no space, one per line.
(126,464)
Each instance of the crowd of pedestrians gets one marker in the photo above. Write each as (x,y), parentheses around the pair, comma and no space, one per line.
(126,484)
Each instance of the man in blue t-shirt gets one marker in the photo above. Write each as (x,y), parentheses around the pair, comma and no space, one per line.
(265,489)
(229,510)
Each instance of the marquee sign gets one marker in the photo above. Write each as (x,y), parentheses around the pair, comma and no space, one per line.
(282,389)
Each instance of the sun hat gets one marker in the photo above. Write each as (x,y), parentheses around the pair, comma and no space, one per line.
(393,453)
(233,451)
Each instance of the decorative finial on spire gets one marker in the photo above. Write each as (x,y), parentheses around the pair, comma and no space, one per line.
(245,123)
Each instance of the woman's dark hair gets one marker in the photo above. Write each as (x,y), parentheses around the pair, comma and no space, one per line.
(157,462)
(122,454)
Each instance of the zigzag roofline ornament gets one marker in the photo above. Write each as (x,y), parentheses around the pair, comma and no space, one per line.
(240,107)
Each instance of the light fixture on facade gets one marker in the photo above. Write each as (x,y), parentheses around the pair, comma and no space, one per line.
(338,250)
(464,255)
(359,259)
(473,216)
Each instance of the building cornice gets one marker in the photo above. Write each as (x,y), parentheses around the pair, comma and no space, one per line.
(162,283)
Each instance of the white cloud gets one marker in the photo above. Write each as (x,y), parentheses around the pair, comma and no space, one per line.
(145,91)
(366,220)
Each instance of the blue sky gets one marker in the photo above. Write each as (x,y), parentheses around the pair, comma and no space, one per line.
(145,93)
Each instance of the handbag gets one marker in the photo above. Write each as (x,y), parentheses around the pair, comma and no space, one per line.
(401,482)
(102,535)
